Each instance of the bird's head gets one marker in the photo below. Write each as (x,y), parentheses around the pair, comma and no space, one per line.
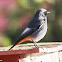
(44,11)
(41,14)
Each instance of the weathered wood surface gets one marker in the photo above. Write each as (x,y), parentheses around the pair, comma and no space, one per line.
(42,45)
(47,52)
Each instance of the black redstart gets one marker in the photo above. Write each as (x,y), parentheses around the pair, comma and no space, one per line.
(36,29)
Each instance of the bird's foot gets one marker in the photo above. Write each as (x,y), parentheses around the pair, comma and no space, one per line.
(36,46)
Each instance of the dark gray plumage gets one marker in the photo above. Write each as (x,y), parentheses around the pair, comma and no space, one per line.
(36,28)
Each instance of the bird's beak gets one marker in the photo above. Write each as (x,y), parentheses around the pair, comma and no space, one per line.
(48,12)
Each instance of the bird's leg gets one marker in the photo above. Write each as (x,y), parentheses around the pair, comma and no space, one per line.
(36,45)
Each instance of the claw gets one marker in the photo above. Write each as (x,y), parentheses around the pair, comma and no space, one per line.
(36,46)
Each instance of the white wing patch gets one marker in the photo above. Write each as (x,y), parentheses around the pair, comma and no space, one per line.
(25,31)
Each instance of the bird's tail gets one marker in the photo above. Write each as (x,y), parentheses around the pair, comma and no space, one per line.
(17,42)
(11,47)
(20,41)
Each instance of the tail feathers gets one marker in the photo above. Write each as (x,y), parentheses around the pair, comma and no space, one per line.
(20,40)
(15,43)
(11,47)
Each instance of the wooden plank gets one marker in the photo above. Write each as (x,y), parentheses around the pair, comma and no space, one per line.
(27,52)
(17,52)
(9,58)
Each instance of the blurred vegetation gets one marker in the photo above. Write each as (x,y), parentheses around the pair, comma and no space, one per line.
(16,14)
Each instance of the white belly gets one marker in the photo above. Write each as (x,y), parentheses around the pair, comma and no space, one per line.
(41,34)
(38,36)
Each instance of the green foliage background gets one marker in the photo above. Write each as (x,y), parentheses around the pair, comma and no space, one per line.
(20,12)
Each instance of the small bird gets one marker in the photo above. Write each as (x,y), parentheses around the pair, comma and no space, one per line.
(36,29)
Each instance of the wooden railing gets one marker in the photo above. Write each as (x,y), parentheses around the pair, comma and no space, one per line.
(47,52)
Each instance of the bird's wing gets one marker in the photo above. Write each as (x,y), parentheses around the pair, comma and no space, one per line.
(32,27)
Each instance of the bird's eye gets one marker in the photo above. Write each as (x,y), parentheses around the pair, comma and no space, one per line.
(45,12)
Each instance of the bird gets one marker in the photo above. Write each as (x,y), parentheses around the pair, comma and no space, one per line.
(36,28)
